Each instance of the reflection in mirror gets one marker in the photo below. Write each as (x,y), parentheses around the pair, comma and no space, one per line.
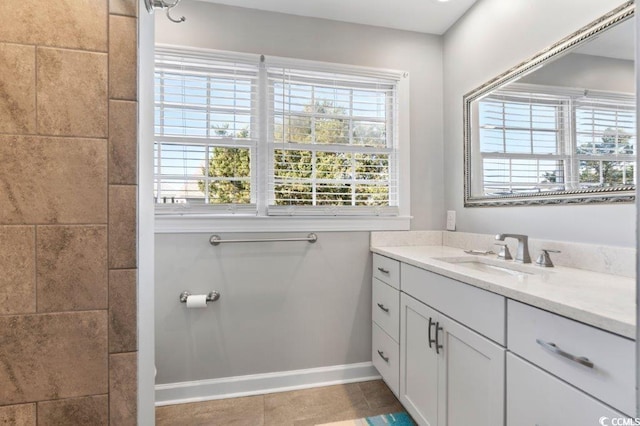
(559,128)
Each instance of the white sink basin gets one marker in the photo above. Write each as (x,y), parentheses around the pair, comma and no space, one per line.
(491,266)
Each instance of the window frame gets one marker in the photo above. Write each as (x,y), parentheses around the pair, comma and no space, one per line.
(562,137)
(625,158)
(235,218)
(567,98)
(277,69)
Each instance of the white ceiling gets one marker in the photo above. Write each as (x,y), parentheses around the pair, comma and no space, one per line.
(426,16)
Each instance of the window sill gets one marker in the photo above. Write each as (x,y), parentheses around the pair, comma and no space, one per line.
(175,224)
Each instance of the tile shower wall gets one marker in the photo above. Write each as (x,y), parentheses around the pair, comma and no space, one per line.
(68,212)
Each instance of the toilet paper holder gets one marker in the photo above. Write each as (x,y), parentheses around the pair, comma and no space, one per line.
(211,297)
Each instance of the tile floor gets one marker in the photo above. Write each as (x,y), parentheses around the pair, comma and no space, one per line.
(306,407)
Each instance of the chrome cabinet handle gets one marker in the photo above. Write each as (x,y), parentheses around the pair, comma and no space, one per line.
(384,271)
(552,347)
(438,345)
(384,358)
(381,306)
(431,323)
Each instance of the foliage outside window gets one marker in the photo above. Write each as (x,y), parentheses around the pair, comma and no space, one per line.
(533,141)
(332,141)
(232,136)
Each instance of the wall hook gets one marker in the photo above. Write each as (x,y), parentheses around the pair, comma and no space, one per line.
(164,4)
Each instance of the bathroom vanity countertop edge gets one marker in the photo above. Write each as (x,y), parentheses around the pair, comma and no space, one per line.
(601,300)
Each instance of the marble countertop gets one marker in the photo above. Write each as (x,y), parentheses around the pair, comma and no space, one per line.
(601,300)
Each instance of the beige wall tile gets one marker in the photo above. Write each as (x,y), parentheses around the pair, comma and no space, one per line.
(53,356)
(122,58)
(80,24)
(18,415)
(123,155)
(36,188)
(91,410)
(124,7)
(72,93)
(123,389)
(71,268)
(122,311)
(54,81)
(17,89)
(122,227)
(17,263)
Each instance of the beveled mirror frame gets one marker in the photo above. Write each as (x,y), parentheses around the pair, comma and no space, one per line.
(615,194)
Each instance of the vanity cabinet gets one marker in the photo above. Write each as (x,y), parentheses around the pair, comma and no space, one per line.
(385,312)
(456,354)
(449,374)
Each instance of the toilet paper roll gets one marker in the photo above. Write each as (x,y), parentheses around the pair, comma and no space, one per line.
(197,301)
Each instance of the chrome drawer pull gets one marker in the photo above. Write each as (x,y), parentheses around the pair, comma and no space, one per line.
(556,350)
(384,271)
(381,306)
(384,358)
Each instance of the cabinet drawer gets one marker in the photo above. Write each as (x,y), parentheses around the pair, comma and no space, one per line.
(478,309)
(386,358)
(535,397)
(549,341)
(385,308)
(386,270)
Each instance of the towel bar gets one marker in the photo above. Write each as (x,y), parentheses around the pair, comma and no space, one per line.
(215,240)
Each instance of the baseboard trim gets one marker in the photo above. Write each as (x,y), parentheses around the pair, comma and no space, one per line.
(258,384)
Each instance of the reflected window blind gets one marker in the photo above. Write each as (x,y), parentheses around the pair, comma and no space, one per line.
(522,138)
(606,141)
(332,143)
(205,131)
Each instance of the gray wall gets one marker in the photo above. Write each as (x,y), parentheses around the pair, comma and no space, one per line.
(283,306)
(492,37)
(289,306)
(581,71)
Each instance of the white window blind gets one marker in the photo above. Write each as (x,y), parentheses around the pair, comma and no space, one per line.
(234,134)
(205,133)
(333,149)
(536,139)
(605,141)
(522,143)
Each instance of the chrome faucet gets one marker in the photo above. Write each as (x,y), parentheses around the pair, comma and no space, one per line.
(522,256)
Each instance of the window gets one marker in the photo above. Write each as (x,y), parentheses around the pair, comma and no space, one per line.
(245,135)
(205,132)
(333,143)
(554,139)
(605,142)
(521,140)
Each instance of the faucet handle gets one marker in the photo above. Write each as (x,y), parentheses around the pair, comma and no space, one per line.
(504,252)
(544,259)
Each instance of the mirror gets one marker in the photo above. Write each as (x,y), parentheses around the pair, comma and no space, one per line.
(559,128)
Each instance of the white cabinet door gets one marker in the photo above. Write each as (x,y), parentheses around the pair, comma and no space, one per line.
(449,375)
(472,370)
(536,398)
(418,361)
